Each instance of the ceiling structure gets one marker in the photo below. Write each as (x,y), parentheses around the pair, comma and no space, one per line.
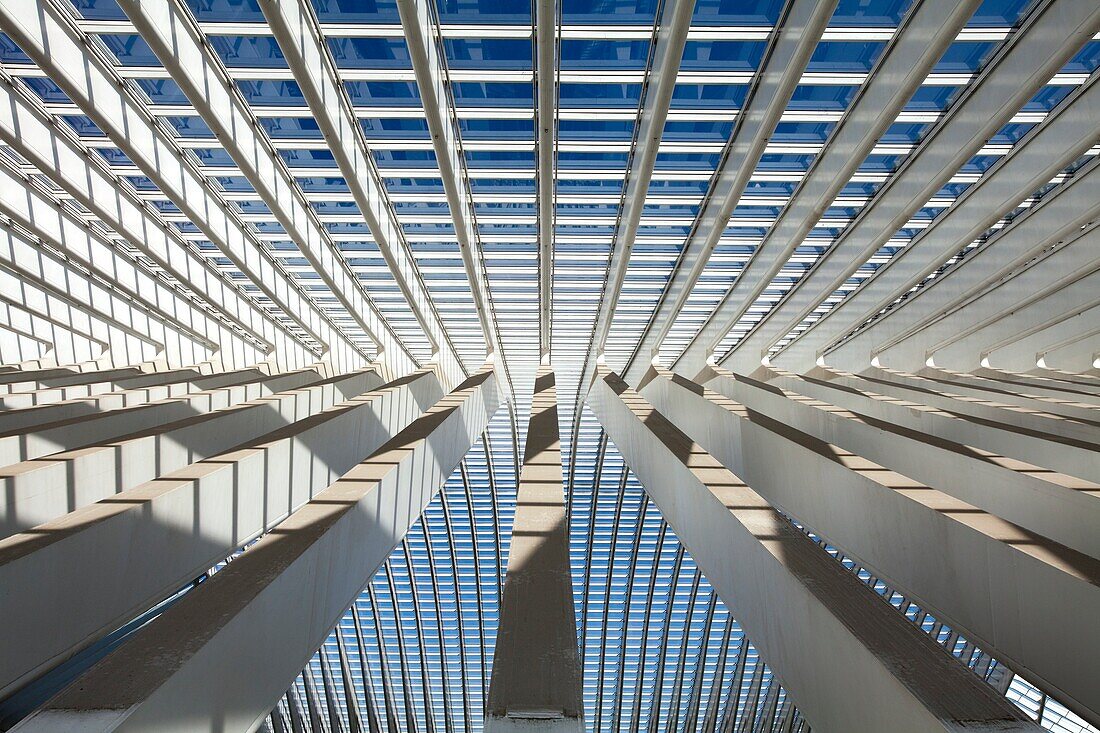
(902,193)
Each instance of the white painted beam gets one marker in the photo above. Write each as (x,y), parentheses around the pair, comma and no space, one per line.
(197,662)
(1057,218)
(136,392)
(173,35)
(109,561)
(45,32)
(944,420)
(1068,132)
(1073,322)
(151,442)
(1057,506)
(295,27)
(791,44)
(429,67)
(1050,36)
(923,35)
(802,610)
(546,142)
(25,202)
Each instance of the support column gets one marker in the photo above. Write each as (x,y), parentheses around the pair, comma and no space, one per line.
(536,685)
(222,656)
(850,662)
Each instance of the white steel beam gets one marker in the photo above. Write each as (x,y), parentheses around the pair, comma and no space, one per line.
(923,35)
(28,205)
(295,27)
(1073,322)
(1006,408)
(959,339)
(802,610)
(1025,597)
(196,664)
(44,31)
(1076,355)
(430,68)
(536,681)
(1059,217)
(109,561)
(173,35)
(57,154)
(1068,132)
(66,344)
(1050,36)
(791,44)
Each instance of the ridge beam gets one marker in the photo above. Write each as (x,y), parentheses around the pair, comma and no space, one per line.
(546,142)
(536,681)
(802,610)
(923,35)
(196,662)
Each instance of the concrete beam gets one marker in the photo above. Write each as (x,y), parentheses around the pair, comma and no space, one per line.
(1037,447)
(922,37)
(1027,599)
(1078,355)
(1057,506)
(194,668)
(295,27)
(134,392)
(803,611)
(1046,296)
(790,47)
(109,561)
(47,487)
(59,47)
(1067,133)
(1023,408)
(536,683)
(1061,216)
(174,36)
(1050,35)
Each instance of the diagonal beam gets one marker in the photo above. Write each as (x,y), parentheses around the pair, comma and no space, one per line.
(789,50)
(1061,216)
(1048,38)
(1060,318)
(430,68)
(295,27)
(922,37)
(52,39)
(293,585)
(1066,134)
(167,531)
(174,36)
(536,675)
(803,611)
(546,140)
(1077,353)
